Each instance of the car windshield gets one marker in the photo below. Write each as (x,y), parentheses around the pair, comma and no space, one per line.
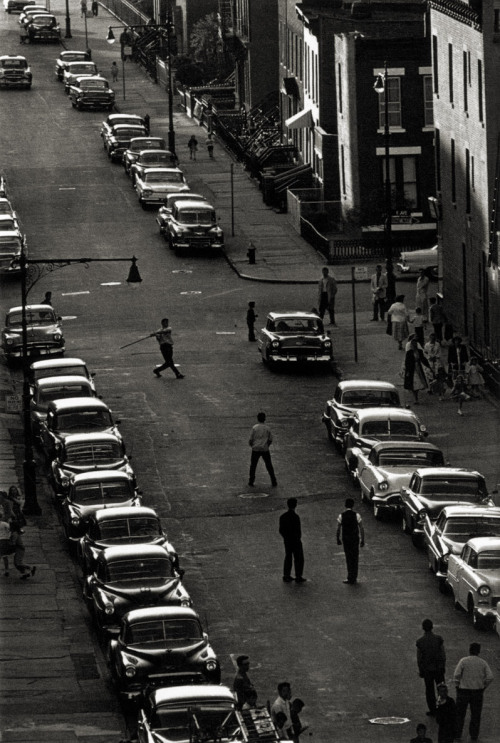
(205,216)
(84,419)
(389,428)
(93,454)
(94,85)
(10,245)
(215,721)
(295,325)
(488,560)
(82,69)
(58,393)
(100,492)
(14,64)
(162,633)
(140,571)
(44,20)
(163,177)
(147,144)
(463,529)
(456,488)
(156,157)
(8,224)
(132,528)
(370,398)
(42,317)
(61,371)
(125,133)
(411,460)
(73,57)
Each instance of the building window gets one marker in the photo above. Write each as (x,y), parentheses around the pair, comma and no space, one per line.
(466,80)
(435,64)
(437,148)
(453,173)
(467,181)
(480,89)
(339,75)
(428,103)
(342,168)
(450,71)
(472,175)
(301,52)
(403,179)
(394,104)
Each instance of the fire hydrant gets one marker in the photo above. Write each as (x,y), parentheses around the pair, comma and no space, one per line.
(251,253)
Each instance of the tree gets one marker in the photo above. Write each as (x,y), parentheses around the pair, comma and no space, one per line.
(205,44)
(187,72)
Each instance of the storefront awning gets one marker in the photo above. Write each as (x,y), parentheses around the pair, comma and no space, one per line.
(290,87)
(302,120)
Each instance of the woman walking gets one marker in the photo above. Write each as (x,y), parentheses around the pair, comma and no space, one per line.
(399,318)
(414,371)
(421,298)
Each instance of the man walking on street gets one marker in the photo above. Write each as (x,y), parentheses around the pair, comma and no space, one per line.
(431,661)
(246,695)
(472,676)
(260,440)
(351,533)
(164,338)
(290,530)
(378,286)
(327,289)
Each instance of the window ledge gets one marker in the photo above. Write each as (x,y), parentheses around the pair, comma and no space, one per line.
(428,128)
(392,130)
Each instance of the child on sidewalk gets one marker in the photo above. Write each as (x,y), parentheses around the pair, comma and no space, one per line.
(459,392)
(418,325)
(475,378)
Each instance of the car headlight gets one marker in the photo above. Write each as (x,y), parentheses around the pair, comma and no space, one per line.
(384,485)
(327,344)
(57,336)
(65,482)
(421,515)
(146,192)
(75,521)
(345,423)
(484,590)
(130,672)
(275,344)
(109,609)
(423,428)
(211,665)
(9,341)
(185,602)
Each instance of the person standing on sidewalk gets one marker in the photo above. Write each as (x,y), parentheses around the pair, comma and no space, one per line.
(260,440)
(472,676)
(378,285)
(251,318)
(114,72)
(446,715)
(164,337)
(95,8)
(193,147)
(246,694)
(290,530)
(210,145)
(327,290)
(351,533)
(431,662)
(83,5)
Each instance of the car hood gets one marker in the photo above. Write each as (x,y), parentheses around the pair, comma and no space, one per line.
(142,595)
(397,476)
(175,656)
(84,512)
(434,507)
(491,578)
(68,468)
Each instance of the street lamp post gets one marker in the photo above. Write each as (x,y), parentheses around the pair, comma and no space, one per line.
(86,31)
(68,22)
(28,280)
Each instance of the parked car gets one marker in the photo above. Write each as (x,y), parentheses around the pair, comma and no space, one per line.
(165,211)
(87,452)
(55,388)
(145,144)
(151,159)
(131,577)
(30,10)
(44,330)
(412,261)
(114,119)
(294,337)
(91,92)
(454,526)
(74,70)
(474,578)
(11,247)
(61,367)
(90,491)
(371,425)
(10,223)
(161,646)
(387,467)
(430,490)
(16,6)
(7,208)
(15,72)
(154,184)
(64,58)
(355,394)
(42,27)
(3,186)
(118,139)
(75,415)
(193,226)
(116,527)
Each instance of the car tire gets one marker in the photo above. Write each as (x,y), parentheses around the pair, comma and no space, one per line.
(143,204)
(406,527)
(477,620)
(443,586)
(377,512)
(416,539)
(329,431)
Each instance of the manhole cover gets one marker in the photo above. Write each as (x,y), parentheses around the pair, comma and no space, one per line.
(390,720)
(253,495)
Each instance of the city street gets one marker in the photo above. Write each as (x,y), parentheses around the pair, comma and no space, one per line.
(348,651)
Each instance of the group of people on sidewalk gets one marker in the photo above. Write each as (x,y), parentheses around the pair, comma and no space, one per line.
(12,523)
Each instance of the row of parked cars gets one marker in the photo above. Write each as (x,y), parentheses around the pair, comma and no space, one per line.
(12,238)
(447,510)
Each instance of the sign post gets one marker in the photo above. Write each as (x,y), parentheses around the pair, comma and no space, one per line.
(358,273)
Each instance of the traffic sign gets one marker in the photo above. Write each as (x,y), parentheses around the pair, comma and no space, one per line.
(360,273)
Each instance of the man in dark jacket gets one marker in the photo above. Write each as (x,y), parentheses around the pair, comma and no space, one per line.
(446,715)
(292,537)
(431,661)
(351,534)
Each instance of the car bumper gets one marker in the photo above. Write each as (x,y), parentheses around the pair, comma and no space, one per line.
(16,353)
(388,501)
(14,83)
(299,358)
(198,244)
(135,687)
(117,153)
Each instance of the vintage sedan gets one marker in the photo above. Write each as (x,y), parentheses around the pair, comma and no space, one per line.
(16,6)
(75,415)
(11,247)
(371,425)
(454,526)
(294,337)
(165,211)
(87,452)
(55,388)
(130,577)
(155,184)
(74,70)
(7,208)
(151,159)
(10,223)
(118,139)
(161,646)
(388,466)
(145,144)
(90,491)
(44,328)
(430,490)
(413,260)
(474,578)
(15,72)
(355,394)
(114,119)
(91,92)
(116,527)
(42,27)
(61,367)
(193,226)
(65,58)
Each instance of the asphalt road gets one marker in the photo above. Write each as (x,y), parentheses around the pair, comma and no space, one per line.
(348,651)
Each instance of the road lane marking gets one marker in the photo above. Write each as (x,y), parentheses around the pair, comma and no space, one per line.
(111,283)
(73,294)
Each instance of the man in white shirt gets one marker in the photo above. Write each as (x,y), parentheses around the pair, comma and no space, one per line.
(282,704)
(260,440)
(378,285)
(472,676)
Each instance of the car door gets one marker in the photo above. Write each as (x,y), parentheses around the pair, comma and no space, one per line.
(465,575)
(365,471)
(435,546)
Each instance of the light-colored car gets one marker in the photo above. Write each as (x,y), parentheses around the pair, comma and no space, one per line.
(16,6)
(387,467)
(412,261)
(474,578)
(73,70)
(165,211)
(193,226)
(294,337)
(151,159)
(15,72)
(11,247)
(114,119)
(45,336)
(55,388)
(454,526)
(64,58)
(91,92)
(61,367)
(155,184)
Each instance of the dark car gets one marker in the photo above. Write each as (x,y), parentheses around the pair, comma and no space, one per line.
(114,119)
(430,490)
(66,57)
(117,141)
(193,227)
(294,337)
(153,158)
(131,577)
(161,646)
(55,388)
(11,6)
(355,394)
(42,27)
(86,452)
(44,327)
(15,72)
(123,526)
(91,92)
(165,211)
(91,491)
(143,144)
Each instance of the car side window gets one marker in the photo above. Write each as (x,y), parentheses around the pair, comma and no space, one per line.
(466,553)
(472,559)
(338,395)
(270,325)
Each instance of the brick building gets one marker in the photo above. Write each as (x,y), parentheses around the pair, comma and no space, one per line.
(466,85)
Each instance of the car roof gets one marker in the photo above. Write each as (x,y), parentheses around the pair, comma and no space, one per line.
(10,233)
(155,151)
(121,117)
(298,313)
(133,550)
(12,56)
(410,446)
(196,204)
(185,196)
(43,307)
(124,512)
(89,438)
(370,414)
(162,170)
(70,403)
(481,544)
(70,52)
(80,61)
(192,693)
(471,510)
(365,384)
(100,476)
(51,363)
(67,379)
(148,139)
(118,127)
(449,472)
(82,78)
(160,612)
